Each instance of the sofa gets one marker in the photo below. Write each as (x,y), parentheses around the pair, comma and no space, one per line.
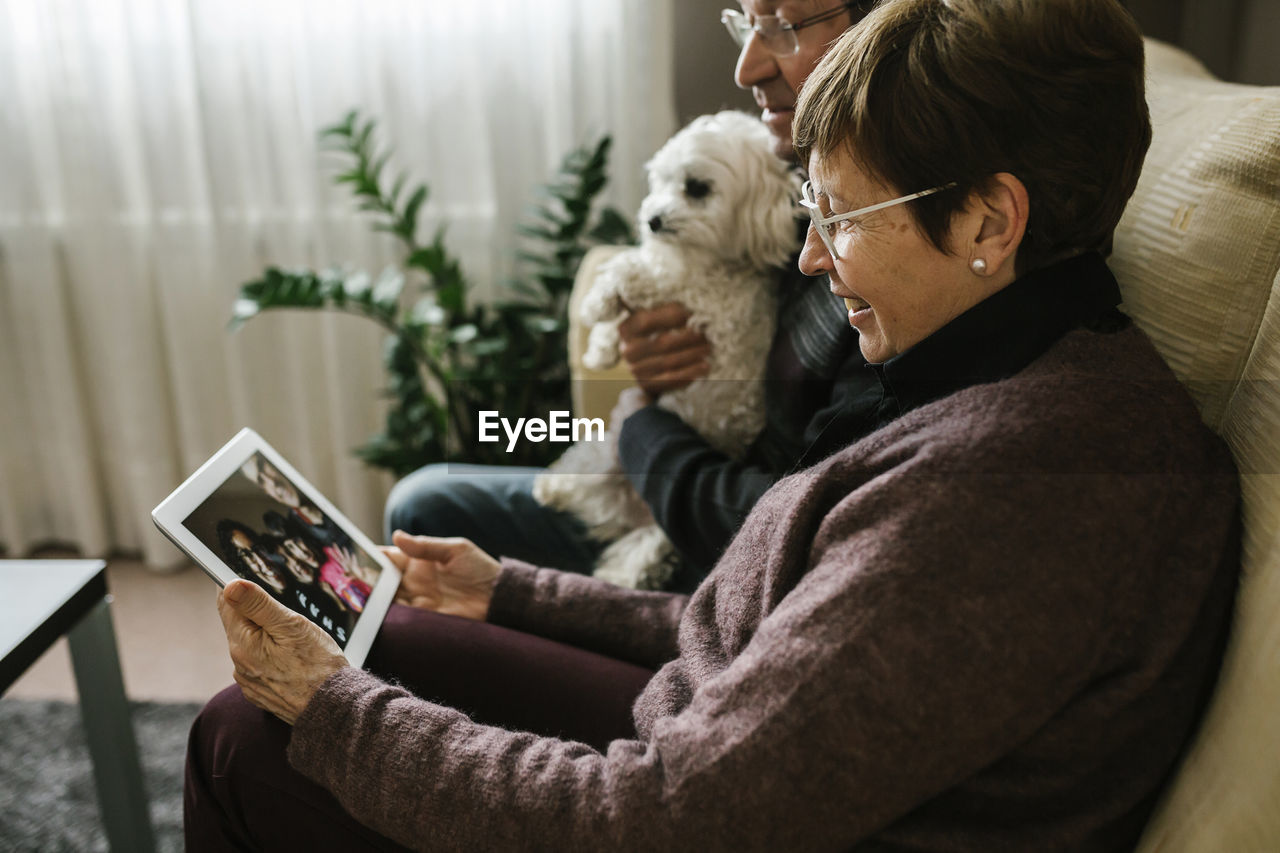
(1197,255)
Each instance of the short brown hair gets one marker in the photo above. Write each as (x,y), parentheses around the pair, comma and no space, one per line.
(928,92)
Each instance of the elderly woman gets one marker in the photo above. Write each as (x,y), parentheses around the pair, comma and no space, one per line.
(986,617)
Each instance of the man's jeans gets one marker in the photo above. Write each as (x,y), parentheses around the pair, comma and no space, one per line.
(493,506)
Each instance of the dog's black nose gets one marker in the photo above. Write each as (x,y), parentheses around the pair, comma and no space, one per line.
(655,224)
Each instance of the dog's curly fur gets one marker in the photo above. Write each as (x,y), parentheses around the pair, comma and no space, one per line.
(719,219)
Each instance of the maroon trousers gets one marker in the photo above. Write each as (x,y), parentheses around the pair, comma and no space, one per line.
(241,793)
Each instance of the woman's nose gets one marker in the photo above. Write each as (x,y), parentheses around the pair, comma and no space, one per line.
(814,257)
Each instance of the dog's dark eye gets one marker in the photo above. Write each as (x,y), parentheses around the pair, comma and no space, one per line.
(695,188)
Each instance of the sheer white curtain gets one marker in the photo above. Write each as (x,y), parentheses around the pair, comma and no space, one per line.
(155,154)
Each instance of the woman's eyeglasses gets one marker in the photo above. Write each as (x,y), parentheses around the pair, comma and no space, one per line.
(824,225)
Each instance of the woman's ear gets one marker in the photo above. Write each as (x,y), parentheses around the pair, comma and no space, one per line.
(997,222)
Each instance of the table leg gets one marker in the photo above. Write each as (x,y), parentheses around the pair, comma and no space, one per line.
(112,745)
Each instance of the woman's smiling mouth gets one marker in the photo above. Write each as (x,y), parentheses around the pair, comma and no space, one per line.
(858,309)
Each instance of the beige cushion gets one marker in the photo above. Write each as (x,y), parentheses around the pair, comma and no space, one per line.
(1199,245)
(1198,258)
(594,391)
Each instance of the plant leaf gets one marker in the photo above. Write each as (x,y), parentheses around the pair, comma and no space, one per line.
(612,227)
(464,333)
(387,290)
(410,215)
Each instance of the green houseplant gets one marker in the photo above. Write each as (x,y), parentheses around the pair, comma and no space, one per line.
(448,356)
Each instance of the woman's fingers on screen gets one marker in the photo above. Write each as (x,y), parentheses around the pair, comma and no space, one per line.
(428,547)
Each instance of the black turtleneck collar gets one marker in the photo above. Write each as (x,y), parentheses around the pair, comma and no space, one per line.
(993,340)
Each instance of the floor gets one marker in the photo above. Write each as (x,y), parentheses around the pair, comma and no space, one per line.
(172,648)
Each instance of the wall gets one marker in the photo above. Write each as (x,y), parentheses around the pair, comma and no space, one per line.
(1235,38)
(1259,61)
(705,56)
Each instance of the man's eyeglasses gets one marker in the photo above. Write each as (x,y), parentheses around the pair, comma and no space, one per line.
(776,34)
(824,224)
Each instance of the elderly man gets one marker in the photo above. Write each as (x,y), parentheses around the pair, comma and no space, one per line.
(698,495)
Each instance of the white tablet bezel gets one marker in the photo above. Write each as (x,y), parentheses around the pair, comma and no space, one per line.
(226,463)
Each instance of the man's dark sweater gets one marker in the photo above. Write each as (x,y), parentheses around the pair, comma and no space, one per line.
(699,496)
(989,624)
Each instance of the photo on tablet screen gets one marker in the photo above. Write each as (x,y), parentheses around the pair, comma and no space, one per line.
(265,529)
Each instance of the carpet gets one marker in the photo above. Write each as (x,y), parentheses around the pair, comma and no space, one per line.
(47,797)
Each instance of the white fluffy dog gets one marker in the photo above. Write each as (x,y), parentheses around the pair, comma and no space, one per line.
(719,219)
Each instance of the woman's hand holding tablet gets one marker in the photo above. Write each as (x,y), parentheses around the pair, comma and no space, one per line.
(246,513)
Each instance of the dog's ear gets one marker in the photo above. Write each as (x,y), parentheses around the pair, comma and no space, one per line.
(769,210)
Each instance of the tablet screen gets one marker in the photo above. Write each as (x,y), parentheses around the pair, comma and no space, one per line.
(263,527)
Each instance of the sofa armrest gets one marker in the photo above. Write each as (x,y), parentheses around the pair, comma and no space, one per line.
(594,391)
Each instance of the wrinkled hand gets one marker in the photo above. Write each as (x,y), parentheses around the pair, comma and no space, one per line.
(280,657)
(452,576)
(663,353)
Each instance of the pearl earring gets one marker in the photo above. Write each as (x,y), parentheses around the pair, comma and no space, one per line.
(979,266)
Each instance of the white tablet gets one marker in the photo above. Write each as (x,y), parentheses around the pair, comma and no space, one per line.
(247,513)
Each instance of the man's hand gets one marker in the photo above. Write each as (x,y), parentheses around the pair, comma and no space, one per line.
(663,353)
(280,657)
(452,576)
